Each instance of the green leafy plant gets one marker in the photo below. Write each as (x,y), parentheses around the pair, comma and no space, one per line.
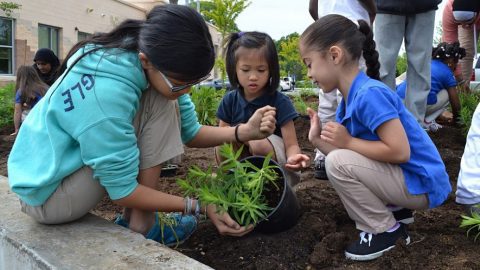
(236,187)
(7,100)
(207,100)
(473,222)
(299,104)
(469,102)
(303,100)
(306,93)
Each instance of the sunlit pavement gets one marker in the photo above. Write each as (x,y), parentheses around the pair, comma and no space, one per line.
(297,90)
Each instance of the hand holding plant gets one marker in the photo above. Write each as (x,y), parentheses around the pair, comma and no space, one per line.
(225,224)
(235,188)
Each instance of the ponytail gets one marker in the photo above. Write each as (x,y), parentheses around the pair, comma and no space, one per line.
(369,52)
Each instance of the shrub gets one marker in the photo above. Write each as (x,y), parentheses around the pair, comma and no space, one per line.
(7,103)
(207,100)
(305,84)
(469,102)
(401,65)
(299,104)
(307,92)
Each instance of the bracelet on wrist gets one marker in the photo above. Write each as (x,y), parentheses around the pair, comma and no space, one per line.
(236,134)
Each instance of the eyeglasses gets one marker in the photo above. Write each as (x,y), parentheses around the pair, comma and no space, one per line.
(178,88)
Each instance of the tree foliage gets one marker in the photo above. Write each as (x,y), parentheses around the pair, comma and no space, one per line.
(289,57)
(224,14)
(9,7)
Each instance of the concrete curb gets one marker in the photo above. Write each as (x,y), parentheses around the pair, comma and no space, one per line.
(89,243)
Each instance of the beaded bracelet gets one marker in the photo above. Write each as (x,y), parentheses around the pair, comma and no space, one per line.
(197,209)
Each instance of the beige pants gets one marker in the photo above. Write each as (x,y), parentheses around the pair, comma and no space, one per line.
(366,186)
(435,110)
(466,38)
(158,134)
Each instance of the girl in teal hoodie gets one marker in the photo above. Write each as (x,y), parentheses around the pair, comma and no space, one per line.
(95,127)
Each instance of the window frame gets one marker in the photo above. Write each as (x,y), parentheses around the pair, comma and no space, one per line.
(12,46)
(50,37)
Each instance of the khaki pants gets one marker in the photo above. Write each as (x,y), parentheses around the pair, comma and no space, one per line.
(158,135)
(435,110)
(365,188)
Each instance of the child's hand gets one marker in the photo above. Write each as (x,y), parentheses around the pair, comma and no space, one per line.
(225,224)
(297,162)
(259,126)
(336,134)
(315,127)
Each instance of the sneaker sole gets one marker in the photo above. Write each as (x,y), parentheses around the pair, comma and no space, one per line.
(321,176)
(368,257)
(406,221)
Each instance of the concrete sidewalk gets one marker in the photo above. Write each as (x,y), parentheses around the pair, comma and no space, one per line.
(90,243)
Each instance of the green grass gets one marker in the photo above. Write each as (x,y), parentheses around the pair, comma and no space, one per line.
(7,100)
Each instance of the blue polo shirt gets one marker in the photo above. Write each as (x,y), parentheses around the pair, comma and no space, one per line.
(442,78)
(371,103)
(235,109)
(18,98)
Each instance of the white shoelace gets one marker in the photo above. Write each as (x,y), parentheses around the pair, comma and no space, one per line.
(364,239)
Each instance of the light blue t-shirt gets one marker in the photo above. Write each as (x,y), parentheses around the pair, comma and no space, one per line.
(85,119)
(370,104)
(442,78)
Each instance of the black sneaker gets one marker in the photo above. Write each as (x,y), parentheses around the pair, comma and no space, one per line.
(372,246)
(403,215)
(319,167)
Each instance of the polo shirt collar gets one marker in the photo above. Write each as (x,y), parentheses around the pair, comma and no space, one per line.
(260,101)
(360,80)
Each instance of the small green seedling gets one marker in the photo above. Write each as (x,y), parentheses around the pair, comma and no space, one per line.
(473,222)
(234,187)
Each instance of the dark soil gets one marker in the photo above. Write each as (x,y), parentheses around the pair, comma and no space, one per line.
(324,229)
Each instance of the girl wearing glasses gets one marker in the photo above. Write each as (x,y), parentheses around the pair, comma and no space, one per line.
(253,69)
(110,121)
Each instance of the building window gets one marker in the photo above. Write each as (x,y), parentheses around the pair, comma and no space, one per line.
(48,37)
(82,36)
(6,46)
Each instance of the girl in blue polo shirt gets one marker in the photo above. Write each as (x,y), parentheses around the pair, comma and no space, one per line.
(253,69)
(443,89)
(378,155)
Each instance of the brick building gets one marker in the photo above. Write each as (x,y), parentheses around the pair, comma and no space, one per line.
(59,24)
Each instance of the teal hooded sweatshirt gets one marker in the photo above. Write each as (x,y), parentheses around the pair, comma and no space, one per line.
(85,119)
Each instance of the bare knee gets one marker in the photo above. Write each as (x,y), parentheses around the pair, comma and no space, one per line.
(261,148)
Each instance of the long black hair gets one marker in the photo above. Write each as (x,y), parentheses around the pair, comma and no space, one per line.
(252,40)
(335,29)
(175,39)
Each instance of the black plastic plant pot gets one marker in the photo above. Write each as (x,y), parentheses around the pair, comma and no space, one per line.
(286,209)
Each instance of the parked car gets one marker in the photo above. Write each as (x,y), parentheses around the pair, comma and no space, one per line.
(287,83)
(475,79)
(217,84)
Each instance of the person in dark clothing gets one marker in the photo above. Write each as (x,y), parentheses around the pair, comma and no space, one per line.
(46,64)
(411,21)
